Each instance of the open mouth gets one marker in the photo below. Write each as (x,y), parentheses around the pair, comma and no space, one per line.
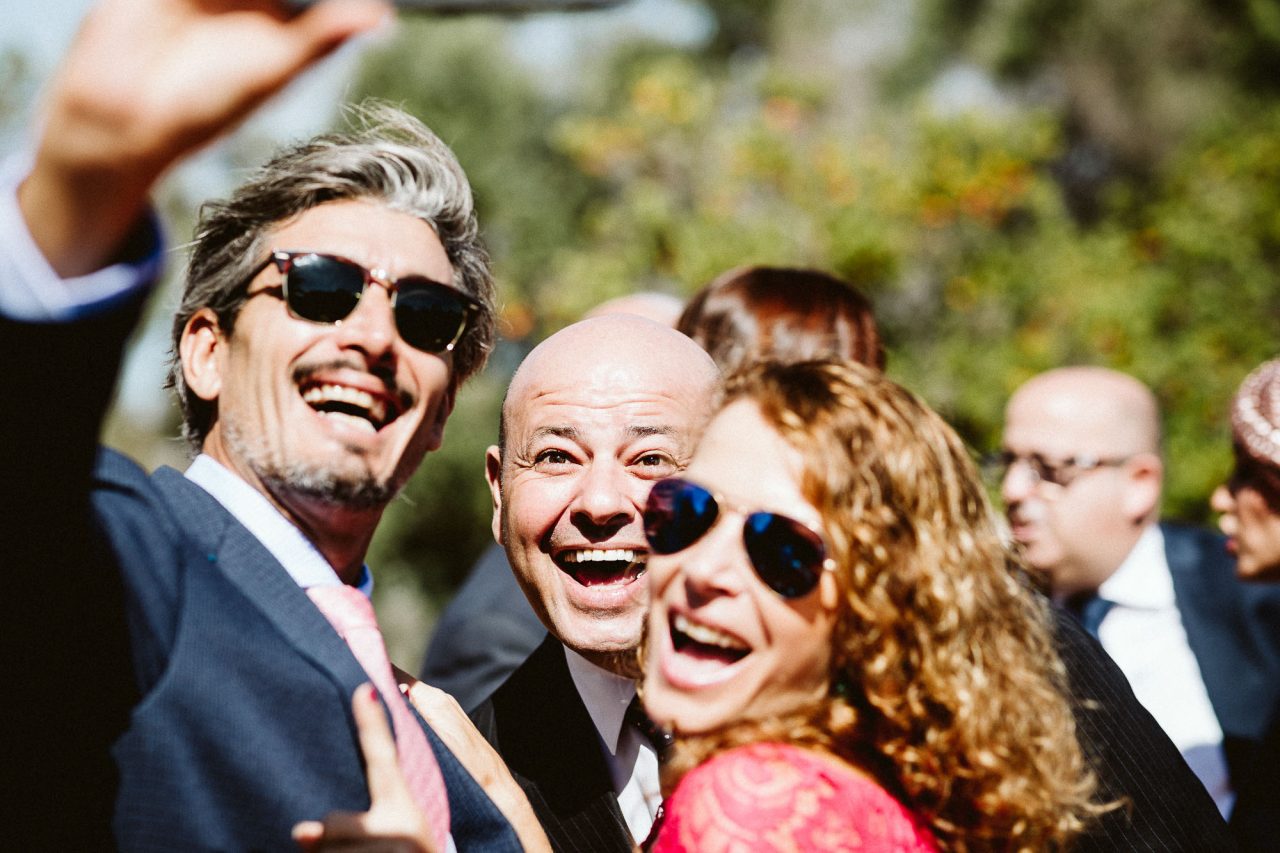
(602,566)
(351,405)
(704,642)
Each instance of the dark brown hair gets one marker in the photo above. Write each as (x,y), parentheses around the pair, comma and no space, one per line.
(781,314)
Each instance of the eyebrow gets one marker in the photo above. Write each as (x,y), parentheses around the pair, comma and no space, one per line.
(572,433)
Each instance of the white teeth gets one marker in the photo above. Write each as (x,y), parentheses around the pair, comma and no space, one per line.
(598,555)
(318,395)
(707,635)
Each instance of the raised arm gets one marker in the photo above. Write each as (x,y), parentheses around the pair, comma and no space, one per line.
(147,82)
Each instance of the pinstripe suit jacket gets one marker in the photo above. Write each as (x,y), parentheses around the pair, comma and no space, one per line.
(1166,808)
(539,725)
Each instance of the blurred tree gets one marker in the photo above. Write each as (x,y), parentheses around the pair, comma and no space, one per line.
(996,241)
(1133,79)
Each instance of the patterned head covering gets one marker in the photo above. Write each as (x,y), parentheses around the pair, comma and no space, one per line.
(1255,421)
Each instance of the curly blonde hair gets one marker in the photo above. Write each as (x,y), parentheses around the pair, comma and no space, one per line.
(946,686)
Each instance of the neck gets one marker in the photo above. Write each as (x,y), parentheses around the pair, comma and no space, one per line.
(625,664)
(341,535)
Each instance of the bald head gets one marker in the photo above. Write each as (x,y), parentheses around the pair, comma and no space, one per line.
(595,415)
(659,307)
(617,349)
(1086,476)
(1105,412)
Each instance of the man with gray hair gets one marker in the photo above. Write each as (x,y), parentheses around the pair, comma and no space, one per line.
(331,309)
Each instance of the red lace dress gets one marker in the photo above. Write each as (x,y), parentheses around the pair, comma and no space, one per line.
(775,797)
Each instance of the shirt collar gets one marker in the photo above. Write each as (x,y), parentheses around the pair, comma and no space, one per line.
(1143,580)
(277,534)
(605,695)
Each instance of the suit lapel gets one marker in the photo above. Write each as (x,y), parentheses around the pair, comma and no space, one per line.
(252,569)
(546,736)
(1233,669)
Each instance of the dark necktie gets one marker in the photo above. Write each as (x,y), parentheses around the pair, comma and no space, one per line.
(1090,609)
(659,737)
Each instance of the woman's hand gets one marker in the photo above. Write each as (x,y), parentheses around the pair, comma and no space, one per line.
(448,720)
(393,823)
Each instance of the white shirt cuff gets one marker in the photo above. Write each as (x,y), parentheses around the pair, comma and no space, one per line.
(31,291)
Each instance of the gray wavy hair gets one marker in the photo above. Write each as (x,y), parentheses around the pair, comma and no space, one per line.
(389,157)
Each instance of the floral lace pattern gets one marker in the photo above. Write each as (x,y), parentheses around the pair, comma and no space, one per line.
(774,797)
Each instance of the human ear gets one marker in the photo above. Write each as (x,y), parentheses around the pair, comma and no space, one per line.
(493,475)
(199,349)
(1145,474)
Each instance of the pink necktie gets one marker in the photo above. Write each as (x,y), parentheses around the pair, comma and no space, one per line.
(351,614)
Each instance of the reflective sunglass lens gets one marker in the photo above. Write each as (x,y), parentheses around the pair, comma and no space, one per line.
(677,514)
(323,290)
(429,317)
(786,555)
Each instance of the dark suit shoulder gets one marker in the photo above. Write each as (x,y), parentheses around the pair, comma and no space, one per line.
(1165,806)
(538,724)
(486,631)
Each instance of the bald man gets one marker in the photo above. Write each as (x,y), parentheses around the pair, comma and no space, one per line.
(1081,488)
(593,417)
(488,627)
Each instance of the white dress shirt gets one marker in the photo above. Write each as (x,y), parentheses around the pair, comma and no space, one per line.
(631,758)
(1144,635)
(277,534)
(30,290)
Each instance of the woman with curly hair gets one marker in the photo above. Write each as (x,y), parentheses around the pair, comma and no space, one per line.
(840,640)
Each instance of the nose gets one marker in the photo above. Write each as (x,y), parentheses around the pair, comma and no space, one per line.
(605,497)
(717,564)
(1018,483)
(1222,500)
(371,325)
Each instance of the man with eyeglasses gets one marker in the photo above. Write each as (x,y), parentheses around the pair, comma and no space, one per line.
(211,628)
(1081,475)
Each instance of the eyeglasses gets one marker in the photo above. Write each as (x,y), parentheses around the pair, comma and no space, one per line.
(787,554)
(321,288)
(1059,473)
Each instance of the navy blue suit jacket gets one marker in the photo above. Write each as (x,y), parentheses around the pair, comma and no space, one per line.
(1233,629)
(167,632)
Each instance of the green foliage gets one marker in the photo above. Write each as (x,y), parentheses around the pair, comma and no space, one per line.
(673,167)
(458,76)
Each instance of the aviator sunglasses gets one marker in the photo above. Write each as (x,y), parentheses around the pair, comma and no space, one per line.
(321,288)
(788,555)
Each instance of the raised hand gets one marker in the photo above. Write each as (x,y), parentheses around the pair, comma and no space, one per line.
(393,823)
(147,82)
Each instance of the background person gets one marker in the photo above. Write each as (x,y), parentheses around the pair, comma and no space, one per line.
(1082,494)
(1250,505)
(837,640)
(790,314)
(1250,500)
